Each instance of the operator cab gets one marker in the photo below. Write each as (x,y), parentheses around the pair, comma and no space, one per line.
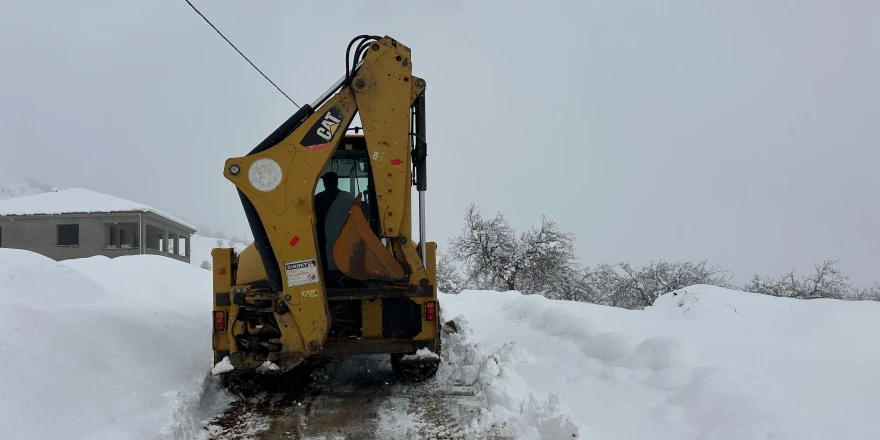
(349,170)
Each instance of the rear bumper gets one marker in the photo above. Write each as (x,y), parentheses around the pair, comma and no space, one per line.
(359,347)
(244,363)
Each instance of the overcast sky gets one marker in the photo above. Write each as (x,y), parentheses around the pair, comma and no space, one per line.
(742,132)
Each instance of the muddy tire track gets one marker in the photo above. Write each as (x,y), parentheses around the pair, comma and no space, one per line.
(351,398)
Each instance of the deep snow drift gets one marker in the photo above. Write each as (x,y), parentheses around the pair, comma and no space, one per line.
(702,363)
(99,348)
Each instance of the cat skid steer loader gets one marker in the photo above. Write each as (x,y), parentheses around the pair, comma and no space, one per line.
(333,270)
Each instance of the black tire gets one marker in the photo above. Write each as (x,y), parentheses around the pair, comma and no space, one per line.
(418,372)
(413,372)
(237,382)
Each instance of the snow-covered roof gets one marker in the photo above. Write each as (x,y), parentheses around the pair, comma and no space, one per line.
(77,201)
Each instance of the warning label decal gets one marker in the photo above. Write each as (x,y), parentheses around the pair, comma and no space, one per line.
(302,272)
(310,293)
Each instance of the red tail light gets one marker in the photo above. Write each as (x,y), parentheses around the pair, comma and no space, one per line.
(221,271)
(430,309)
(219,321)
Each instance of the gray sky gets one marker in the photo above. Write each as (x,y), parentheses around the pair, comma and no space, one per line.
(744,132)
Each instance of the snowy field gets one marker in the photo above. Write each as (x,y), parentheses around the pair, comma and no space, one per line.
(702,363)
(120,349)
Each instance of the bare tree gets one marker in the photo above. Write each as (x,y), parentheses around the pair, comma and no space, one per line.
(205,265)
(495,257)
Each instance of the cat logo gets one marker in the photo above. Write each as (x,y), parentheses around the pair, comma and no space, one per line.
(323,131)
(328,127)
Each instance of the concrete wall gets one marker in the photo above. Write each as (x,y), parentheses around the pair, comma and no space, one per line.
(39,234)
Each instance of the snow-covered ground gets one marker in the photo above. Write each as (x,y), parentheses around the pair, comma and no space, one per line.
(99,348)
(702,363)
(118,349)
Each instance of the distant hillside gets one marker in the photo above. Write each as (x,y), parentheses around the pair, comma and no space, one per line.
(11,187)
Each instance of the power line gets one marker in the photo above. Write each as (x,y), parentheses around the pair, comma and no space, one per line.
(239,52)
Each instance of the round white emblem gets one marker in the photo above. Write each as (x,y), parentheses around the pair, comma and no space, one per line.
(265,174)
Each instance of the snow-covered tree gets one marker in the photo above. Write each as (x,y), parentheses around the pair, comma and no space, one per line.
(865,294)
(205,265)
(449,279)
(571,285)
(621,285)
(827,281)
(495,257)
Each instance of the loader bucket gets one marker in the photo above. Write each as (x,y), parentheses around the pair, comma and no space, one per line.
(359,254)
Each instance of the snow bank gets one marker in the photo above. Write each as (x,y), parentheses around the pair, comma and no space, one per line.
(152,282)
(30,279)
(511,411)
(100,348)
(702,363)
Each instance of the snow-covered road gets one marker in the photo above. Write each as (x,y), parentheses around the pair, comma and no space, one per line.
(353,398)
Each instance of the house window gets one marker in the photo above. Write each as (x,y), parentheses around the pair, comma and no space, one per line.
(112,236)
(68,235)
(121,235)
(126,238)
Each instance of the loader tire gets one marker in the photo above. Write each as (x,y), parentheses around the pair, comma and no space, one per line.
(238,382)
(413,373)
(424,372)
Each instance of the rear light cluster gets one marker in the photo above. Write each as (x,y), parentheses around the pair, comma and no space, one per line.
(219,321)
(430,310)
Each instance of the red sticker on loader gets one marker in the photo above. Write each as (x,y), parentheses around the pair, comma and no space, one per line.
(294,240)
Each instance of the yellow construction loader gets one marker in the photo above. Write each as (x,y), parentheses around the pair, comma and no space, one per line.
(334,270)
